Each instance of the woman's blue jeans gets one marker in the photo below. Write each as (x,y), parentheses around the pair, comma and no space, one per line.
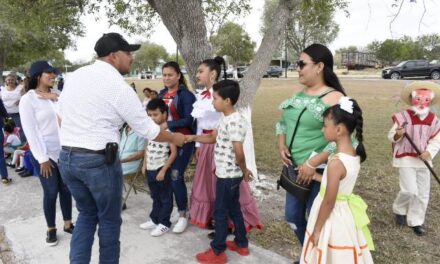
(178,168)
(52,186)
(295,211)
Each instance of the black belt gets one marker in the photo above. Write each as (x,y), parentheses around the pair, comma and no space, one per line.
(84,150)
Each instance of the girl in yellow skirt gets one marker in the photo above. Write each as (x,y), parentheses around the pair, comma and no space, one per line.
(337,229)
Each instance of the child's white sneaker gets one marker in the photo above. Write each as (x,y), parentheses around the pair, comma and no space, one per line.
(159,230)
(181,225)
(174,217)
(148,225)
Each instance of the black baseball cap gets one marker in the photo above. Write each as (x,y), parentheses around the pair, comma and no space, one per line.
(112,42)
(40,67)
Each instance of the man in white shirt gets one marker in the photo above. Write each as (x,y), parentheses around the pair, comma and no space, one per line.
(95,102)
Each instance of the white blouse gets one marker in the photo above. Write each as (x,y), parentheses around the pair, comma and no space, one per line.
(40,125)
(204,112)
(10,99)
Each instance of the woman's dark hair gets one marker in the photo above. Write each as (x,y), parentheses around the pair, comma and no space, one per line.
(228,89)
(320,53)
(176,67)
(159,104)
(33,82)
(216,65)
(352,122)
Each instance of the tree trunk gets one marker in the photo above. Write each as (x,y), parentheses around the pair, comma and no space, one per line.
(252,79)
(186,23)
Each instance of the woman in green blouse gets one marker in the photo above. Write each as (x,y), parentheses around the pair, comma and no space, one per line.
(322,89)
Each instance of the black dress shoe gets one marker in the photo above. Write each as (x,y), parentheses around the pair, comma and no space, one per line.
(10,165)
(419,230)
(400,220)
(124,206)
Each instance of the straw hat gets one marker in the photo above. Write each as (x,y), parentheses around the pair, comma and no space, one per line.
(428,85)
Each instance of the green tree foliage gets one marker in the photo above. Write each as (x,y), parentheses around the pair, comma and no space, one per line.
(149,56)
(310,22)
(172,57)
(232,41)
(431,46)
(140,17)
(391,51)
(32,30)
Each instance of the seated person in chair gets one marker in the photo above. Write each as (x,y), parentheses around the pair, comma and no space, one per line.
(131,150)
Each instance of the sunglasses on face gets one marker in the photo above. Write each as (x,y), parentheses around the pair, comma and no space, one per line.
(301,64)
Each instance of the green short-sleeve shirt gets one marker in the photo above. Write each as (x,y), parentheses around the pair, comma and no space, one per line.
(309,136)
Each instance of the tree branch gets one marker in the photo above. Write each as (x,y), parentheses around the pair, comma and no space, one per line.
(395,16)
(424,12)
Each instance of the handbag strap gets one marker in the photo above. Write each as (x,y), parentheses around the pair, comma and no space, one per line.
(299,117)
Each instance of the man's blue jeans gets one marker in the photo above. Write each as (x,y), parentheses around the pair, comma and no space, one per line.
(227,204)
(162,194)
(295,211)
(53,185)
(178,168)
(97,190)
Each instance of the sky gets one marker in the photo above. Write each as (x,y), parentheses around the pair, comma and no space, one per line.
(368,20)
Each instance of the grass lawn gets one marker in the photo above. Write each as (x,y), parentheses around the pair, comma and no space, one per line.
(377,184)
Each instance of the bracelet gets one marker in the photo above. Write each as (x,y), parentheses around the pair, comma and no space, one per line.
(310,166)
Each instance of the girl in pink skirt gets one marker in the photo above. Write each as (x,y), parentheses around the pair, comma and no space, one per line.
(203,189)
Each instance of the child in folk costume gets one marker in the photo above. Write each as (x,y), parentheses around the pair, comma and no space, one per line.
(422,127)
(337,229)
(203,190)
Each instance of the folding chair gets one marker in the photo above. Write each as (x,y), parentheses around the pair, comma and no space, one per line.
(133,183)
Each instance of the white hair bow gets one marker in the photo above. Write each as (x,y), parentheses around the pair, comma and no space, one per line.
(346,104)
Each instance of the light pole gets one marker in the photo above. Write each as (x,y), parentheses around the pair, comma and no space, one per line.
(285,54)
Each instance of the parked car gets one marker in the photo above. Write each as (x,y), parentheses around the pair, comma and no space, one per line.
(147,75)
(273,71)
(19,74)
(412,68)
(229,73)
(241,71)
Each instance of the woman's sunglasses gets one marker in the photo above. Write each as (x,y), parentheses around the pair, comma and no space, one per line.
(301,64)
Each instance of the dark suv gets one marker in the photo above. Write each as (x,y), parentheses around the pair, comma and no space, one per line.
(412,68)
(273,71)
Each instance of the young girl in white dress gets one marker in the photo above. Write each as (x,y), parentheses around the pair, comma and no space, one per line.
(337,229)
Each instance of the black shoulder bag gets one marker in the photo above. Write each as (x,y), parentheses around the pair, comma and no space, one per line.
(289,174)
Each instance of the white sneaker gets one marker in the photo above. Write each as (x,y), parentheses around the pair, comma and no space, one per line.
(159,230)
(148,225)
(181,225)
(174,217)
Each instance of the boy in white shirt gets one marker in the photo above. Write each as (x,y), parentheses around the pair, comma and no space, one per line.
(231,169)
(157,163)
